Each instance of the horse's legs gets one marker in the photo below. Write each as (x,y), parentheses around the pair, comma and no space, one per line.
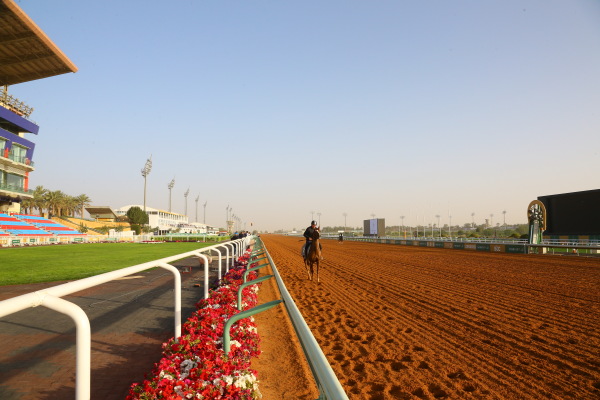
(318,271)
(306,265)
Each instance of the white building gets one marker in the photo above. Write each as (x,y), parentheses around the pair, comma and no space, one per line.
(167,221)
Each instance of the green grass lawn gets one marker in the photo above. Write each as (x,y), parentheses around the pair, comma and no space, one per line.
(76,261)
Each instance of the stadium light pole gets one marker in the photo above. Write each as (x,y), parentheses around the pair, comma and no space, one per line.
(170,186)
(439,227)
(227,218)
(185,196)
(473,220)
(345,215)
(402,218)
(319,215)
(197,198)
(145,172)
(204,219)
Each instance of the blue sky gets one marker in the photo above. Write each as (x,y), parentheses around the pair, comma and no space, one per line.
(277,109)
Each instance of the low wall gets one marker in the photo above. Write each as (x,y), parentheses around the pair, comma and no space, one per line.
(585,246)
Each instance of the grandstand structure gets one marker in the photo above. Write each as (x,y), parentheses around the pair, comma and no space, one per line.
(33,226)
(26,54)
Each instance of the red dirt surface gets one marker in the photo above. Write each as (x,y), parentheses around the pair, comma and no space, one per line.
(400,322)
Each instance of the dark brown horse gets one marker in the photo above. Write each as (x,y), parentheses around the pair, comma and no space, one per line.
(313,255)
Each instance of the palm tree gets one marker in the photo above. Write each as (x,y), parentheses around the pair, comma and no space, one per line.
(70,205)
(26,206)
(54,202)
(82,202)
(39,202)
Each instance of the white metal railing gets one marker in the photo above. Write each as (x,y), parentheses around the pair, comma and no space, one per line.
(431,239)
(24,240)
(51,298)
(329,386)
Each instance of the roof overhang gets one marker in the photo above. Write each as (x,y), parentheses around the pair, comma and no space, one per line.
(26,53)
(101,212)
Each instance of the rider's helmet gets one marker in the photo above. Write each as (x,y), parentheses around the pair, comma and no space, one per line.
(313,222)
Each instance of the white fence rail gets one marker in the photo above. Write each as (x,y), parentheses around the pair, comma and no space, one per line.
(51,298)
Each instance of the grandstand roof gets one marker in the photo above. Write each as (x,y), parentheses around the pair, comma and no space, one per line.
(26,53)
(101,212)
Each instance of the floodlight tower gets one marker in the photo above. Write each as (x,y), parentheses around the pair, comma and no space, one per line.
(185,196)
(345,215)
(145,172)
(402,218)
(197,198)
(170,186)
(204,219)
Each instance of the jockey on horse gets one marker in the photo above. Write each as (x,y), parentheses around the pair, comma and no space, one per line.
(308,234)
(311,251)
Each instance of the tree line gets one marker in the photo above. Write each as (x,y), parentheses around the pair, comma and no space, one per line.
(55,203)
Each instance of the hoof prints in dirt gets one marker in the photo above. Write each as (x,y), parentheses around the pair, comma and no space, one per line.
(407,323)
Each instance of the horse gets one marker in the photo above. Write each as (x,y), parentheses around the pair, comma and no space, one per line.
(313,255)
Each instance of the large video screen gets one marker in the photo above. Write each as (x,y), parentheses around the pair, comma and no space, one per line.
(374,227)
(576,213)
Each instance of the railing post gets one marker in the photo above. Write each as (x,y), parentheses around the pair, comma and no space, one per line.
(226,245)
(244,314)
(203,257)
(251,261)
(226,258)
(83,342)
(237,251)
(177,294)
(220,256)
(245,284)
(253,269)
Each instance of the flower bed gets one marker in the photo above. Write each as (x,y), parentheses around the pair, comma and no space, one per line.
(196,366)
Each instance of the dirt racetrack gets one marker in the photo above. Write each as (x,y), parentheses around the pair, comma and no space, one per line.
(400,322)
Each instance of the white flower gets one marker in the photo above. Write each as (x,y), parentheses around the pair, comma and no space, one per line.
(178,390)
(165,375)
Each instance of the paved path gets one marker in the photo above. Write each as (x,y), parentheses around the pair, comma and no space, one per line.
(130,319)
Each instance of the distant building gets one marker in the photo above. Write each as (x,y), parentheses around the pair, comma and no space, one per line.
(167,221)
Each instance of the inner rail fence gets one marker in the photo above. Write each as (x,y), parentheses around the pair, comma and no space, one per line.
(327,382)
(51,298)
